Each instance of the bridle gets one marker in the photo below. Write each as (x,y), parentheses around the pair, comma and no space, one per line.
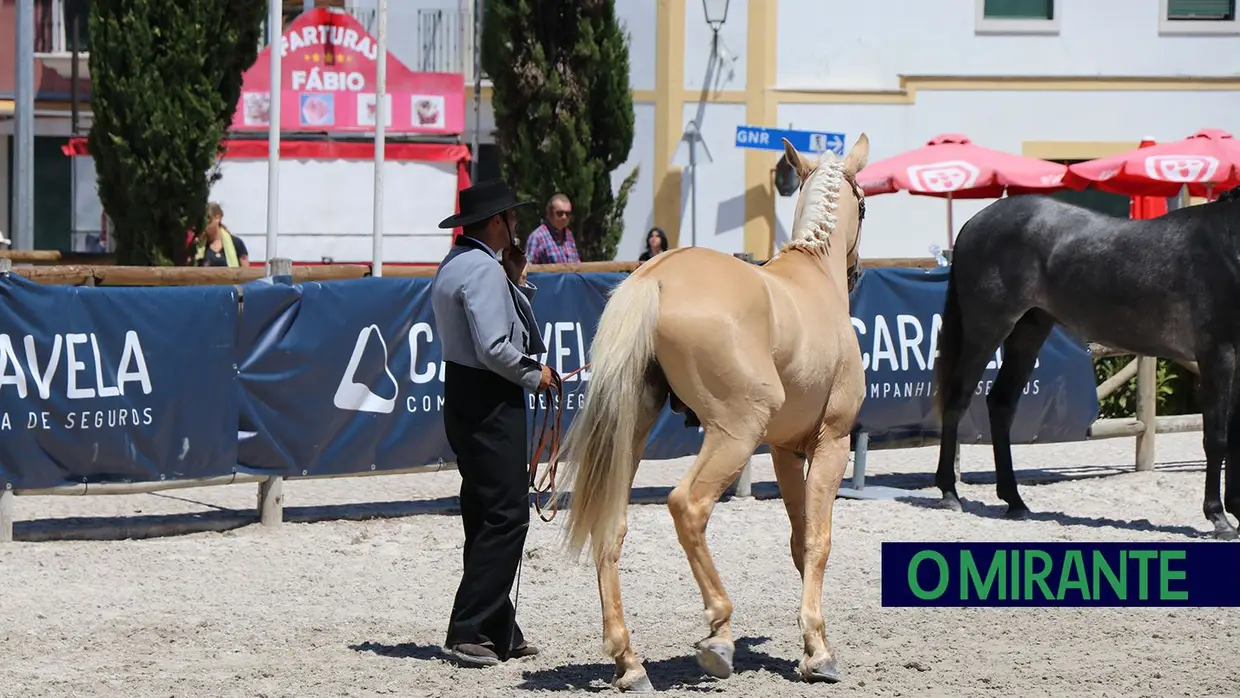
(854,270)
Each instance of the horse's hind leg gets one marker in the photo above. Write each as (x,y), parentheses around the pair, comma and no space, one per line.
(630,675)
(974,354)
(826,470)
(724,454)
(1020,353)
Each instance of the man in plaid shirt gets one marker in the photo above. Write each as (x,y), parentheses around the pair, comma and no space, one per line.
(552,242)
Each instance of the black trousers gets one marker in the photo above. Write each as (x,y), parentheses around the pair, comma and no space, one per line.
(484,417)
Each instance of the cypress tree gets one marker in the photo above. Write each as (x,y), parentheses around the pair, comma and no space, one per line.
(563,111)
(165,77)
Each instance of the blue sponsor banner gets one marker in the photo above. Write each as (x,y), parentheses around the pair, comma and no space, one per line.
(897,314)
(347,376)
(115,384)
(326,377)
(1196,574)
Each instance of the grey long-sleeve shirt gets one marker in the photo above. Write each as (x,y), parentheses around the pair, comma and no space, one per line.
(482,319)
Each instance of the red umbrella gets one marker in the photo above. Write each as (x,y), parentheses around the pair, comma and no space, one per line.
(952,167)
(1206,161)
(1145,207)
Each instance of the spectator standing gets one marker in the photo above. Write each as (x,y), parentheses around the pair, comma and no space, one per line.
(552,242)
(656,242)
(217,247)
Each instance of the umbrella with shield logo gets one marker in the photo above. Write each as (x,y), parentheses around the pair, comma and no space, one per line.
(951,166)
(1206,162)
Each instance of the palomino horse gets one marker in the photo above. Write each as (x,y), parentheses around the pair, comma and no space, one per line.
(758,355)
(1164,287)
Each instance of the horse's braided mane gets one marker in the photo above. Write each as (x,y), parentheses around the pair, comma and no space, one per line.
(820,212)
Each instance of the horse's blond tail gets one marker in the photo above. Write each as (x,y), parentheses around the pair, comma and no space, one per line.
(599,443)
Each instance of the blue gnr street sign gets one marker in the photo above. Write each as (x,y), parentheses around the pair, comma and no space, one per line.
(762,138)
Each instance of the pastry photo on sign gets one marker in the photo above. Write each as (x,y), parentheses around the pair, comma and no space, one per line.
(317,109)
(428,111)
(366,107)
(256,108)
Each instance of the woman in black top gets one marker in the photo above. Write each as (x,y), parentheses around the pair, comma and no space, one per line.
(656,242)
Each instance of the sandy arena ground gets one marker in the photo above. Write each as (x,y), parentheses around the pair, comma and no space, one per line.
(358,608)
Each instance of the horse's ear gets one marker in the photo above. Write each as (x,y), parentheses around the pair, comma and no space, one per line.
(857,158)
(798,163)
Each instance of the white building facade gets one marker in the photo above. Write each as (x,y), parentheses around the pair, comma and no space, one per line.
(1056,79)
(1066,80)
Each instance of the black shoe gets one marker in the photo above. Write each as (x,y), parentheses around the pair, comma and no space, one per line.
(525,650)
(471,655)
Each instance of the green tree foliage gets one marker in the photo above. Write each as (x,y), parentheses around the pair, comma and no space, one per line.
(1176,391)
(166,77)
(563,111)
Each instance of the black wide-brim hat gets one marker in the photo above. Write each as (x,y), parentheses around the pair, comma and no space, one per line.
(481,201)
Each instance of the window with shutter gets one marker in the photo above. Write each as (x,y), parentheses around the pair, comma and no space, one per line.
(1201,10)
(1018,9)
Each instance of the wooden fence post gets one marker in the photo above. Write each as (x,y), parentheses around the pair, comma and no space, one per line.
(271,490)
(1147,403)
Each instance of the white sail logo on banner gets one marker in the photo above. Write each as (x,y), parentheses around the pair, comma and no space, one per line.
(357,396)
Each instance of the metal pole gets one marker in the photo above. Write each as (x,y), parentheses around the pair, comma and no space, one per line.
(23,129)
(275,31)
(473,163)
(693,183)
(376,256)
(860,452)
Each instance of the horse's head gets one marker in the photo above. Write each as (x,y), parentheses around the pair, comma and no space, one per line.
(821,211)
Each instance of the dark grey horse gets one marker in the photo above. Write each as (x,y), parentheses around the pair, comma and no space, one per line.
(1165,287)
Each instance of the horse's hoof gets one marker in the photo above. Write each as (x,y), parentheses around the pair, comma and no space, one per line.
(949,502)
(715,660)
(1223,530)
(1017,513)
(827,671)
(633,682)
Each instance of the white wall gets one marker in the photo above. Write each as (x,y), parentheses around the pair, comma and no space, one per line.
(872,43)
(639,213)
(869,46)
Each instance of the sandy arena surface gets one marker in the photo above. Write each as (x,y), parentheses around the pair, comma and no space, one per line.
(358,608)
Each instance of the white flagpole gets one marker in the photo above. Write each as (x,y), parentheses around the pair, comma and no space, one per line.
(376,259)
(275,31)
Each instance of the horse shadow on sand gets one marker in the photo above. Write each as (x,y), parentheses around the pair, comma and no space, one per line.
(681,673)
(1031,481)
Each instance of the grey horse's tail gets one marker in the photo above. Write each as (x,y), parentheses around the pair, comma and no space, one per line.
(951,336)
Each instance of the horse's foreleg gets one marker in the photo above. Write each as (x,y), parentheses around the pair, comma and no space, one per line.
(691,502)
(790,475)
(1218,370)
(1020,353)
(822,484)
